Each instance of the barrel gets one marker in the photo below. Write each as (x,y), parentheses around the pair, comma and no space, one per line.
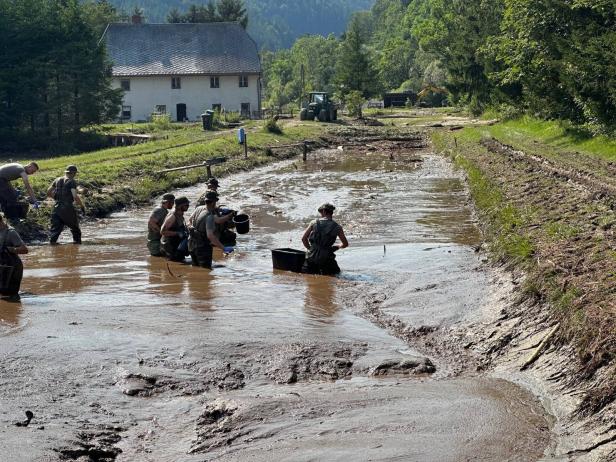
(288,259)
(5,276)
(242,223)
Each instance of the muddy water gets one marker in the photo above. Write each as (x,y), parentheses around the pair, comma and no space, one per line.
(115,351)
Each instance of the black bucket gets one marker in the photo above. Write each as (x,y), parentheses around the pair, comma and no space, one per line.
(18,210)
(242,223)
(6,272)
(288,259)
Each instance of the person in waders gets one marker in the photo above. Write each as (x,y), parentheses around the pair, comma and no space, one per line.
(225,233)
(174,241)
(319,239)
(11,246)
(64,191)
(8,194)
(204,232)
(155,223)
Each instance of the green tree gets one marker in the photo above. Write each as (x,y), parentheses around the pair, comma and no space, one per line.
(232,10)
(354,71)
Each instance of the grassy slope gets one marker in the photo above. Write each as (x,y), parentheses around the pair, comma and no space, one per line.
(562,240)
(116,177)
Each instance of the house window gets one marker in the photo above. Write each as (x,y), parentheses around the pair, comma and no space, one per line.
(243,80)
(126,112)
(161,109)
(216,107)
(125,84)
(176,83)
(214,82)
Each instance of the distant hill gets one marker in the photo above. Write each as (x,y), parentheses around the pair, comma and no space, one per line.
(272,23)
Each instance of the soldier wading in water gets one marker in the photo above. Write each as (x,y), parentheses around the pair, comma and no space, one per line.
(174,242)
(64,191)
(11,246)
(319,239)
(155,223)
(204,232)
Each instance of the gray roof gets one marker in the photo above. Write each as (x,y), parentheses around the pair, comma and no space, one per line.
(181,49)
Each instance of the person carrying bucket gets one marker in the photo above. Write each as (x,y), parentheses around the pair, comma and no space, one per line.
(12,268)
(319,239)
(155,223)
(64,191)
(204,229)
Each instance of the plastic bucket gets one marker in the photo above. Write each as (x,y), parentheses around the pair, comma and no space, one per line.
(288,259)
(242,223)
(5,276)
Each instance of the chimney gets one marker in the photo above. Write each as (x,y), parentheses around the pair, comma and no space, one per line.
(136,19)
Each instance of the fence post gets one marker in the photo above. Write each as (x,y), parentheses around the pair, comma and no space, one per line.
(305,151)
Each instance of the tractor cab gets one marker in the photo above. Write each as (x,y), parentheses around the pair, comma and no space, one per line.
(319,106)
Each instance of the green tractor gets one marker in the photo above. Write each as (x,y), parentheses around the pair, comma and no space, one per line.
(320,106)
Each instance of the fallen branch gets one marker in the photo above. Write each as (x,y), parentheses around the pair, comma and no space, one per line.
(540,348)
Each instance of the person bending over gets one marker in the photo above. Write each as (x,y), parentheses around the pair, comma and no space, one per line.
(319,239)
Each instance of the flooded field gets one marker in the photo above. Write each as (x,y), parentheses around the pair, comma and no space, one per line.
(125,357)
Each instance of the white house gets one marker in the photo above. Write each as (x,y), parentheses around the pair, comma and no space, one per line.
(184,69)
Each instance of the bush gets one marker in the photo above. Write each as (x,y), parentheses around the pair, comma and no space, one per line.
(161,121)
(272,127)
(354,101)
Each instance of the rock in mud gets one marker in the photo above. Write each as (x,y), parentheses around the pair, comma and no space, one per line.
(136,384)
(215,425)
(403,366)
(301,362)
(94,446)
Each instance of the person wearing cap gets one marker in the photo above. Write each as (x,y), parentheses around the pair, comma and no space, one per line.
(155,223)
(204,231)
(11,246)
(212,186)
(174,232)
(12,172)
(319,239)
(64,191)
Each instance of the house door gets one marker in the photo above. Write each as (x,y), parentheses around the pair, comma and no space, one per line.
(245,110)
(181,112)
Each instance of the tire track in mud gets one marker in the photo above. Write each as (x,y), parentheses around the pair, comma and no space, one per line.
(583,180)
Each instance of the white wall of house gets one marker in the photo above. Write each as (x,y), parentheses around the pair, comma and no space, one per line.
(146,93)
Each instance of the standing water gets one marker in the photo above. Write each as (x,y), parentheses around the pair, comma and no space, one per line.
(122,356)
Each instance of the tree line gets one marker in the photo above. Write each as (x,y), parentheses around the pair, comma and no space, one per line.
(552,58)
(55,77)
(220,11)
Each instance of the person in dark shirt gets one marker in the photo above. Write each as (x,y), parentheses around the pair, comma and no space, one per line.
(319,239)
(11,246)
(155,223)
(64,191)
(12,172)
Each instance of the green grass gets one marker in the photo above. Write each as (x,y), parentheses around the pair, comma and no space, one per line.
(559,136)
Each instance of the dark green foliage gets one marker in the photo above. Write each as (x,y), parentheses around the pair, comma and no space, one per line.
(271,126)
(54,74)
(221,11)
(274,24)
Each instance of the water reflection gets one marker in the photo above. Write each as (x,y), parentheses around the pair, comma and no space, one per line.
(319,298)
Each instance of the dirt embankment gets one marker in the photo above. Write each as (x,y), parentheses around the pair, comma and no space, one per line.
(550,221)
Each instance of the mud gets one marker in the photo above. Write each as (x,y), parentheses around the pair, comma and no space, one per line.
(125,357)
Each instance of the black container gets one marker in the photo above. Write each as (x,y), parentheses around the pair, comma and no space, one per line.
(242,223)
(18,210)
(288,259)
(5,276)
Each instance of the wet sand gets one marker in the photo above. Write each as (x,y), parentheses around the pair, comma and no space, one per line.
(124,357)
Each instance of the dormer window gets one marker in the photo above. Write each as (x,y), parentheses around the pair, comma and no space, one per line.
(176,83)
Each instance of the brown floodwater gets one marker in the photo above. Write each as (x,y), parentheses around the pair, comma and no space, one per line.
(110,348)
